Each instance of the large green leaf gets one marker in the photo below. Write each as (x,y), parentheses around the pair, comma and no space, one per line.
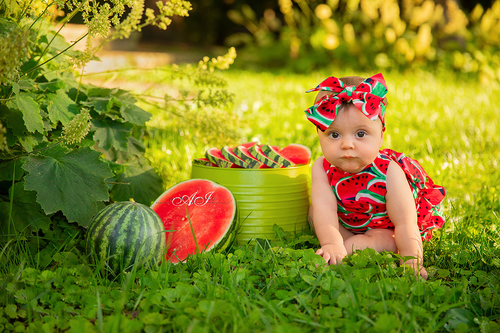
(30,110)
(30,141)
(69,181)
(139,182)
(135,114)
(11,169)
(53,85)
(59,107)
(13,120)
(135,149)
(100,104)
(24,212)
(18,132)
(101,99)
(111,133)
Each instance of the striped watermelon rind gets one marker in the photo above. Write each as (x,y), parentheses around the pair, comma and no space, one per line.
(257,152)
(252,162)
(230,155)
(215,156)
(256,156)
(124,235)
(203,161)
(273,153)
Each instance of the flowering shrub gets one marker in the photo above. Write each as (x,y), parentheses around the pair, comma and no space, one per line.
(375,34)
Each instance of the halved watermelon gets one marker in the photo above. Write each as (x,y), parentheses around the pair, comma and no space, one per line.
(210,207)
(296,153)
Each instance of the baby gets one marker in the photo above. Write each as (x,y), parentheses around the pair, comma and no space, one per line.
(362,196)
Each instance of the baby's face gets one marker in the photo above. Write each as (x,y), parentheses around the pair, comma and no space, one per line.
(352,141)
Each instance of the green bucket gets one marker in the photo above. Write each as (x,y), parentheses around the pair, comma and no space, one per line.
(264,197)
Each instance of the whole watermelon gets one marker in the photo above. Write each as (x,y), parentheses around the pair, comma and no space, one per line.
(125,234)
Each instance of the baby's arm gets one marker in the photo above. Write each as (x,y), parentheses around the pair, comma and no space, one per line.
(323,213)
(403,214)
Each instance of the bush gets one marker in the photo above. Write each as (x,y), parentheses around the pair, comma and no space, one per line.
(66,148)
(371,35)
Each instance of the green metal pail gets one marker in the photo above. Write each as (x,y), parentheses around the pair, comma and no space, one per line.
(264,197)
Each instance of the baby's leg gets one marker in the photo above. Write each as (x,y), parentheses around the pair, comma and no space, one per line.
(377,239)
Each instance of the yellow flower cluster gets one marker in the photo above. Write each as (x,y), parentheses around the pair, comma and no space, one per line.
(14,51)
(221,62)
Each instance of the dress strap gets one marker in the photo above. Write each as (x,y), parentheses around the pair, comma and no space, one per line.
(326,165)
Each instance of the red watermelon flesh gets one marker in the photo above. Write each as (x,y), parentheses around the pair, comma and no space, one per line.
(296,153)
(212,211)
(248,144)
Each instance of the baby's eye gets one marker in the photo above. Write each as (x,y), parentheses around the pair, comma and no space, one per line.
(334,135)
(360,134)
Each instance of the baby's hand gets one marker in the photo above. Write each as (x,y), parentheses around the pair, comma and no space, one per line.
(333,254)
(418,268)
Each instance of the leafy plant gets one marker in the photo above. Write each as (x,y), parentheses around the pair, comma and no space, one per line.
(67,147)
(192,109)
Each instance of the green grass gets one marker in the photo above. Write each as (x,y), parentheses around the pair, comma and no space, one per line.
(449,125)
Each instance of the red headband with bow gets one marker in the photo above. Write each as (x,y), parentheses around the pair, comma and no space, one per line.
(368,97)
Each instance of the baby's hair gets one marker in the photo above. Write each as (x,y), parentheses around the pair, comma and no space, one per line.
(348,81)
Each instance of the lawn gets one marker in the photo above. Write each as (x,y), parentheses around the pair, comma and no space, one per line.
(448,124)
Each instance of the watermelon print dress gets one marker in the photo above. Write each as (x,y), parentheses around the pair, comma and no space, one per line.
(361,201)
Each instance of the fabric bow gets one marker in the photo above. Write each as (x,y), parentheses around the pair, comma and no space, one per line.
(368,97)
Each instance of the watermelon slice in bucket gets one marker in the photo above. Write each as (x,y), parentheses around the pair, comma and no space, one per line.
(296,153)
(215,156)
(201,207)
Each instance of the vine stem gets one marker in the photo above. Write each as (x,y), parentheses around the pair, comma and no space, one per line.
(117,183)
(64,22)
(32,152)
(26,9)
(39,16)
(57,55)
(11,203)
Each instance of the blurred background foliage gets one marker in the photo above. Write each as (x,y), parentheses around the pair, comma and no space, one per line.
(305,35)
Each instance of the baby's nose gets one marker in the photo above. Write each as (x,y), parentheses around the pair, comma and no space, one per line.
(347,143)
